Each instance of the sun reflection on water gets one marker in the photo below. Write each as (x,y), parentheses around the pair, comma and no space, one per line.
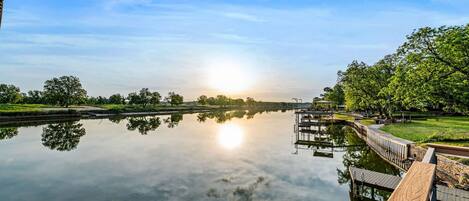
(230,135)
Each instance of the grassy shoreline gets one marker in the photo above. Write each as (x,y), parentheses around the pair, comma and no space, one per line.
(448,130)
(444,130)
(19,113)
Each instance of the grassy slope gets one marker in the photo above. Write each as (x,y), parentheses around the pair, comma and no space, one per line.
(347,117)
(446,130)
(22,107)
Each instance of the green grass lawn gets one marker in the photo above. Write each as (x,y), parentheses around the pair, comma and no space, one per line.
(346,117)
(23,107)
(445,130)
(367,121)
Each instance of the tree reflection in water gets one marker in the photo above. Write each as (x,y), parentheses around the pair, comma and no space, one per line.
(62,136)
(221,116)
(8,133)
(173,120)
(143,124)
(364,158)
(117,119)
(240,193)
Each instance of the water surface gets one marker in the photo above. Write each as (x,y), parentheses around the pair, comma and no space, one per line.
(237,155)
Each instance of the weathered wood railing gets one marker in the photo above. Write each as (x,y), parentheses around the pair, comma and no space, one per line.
(418,183)
(393,149)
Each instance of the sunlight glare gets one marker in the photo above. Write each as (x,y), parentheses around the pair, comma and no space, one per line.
(230,136)
(228,76)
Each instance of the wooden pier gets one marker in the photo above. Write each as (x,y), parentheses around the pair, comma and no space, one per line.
(387,182)
(418,183)
(374,179)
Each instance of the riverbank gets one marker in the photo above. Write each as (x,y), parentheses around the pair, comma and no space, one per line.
(23,113)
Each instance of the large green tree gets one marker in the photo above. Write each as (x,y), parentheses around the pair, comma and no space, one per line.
(203,100)
(434,71)
(144,97)
(116,99)
(33,97)
(9,94)
(64,91)
(335,94)
(366,87)
(174,98)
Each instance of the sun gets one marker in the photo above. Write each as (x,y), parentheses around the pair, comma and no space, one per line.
(230,136)
(228,76)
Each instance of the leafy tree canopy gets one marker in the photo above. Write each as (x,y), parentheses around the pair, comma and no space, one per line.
(64,91)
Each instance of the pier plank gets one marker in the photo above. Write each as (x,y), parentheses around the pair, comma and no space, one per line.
(377,179)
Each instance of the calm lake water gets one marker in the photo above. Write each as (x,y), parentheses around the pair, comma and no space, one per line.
(212,156)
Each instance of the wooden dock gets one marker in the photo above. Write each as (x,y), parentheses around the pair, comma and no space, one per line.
(451,194)
(315,113)
(374,179)
(317,123)
(418,183)
(390,183)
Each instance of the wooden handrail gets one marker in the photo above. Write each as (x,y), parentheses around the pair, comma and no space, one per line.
(417,185)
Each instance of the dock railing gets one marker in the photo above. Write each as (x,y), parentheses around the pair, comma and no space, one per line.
(393,149)
(419,182)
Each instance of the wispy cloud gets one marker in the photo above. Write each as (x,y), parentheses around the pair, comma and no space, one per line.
(243,16)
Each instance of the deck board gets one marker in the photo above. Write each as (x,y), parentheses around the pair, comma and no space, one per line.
(416,184)
(451,194)
(380,180)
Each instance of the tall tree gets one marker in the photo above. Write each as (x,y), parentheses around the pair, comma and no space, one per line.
(33,97)
(144,97)
(64,91)
(9,94)
(335,94)
(116,99)
(202,100)
(174,98)
(366,87)
(250,101)
(434,73)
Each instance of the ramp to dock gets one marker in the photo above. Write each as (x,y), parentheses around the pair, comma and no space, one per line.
(374,179)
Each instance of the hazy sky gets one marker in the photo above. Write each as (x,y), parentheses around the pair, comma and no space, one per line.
(281,49)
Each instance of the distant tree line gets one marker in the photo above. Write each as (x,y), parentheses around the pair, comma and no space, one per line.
(222,100)
(67,90)
(429,72)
